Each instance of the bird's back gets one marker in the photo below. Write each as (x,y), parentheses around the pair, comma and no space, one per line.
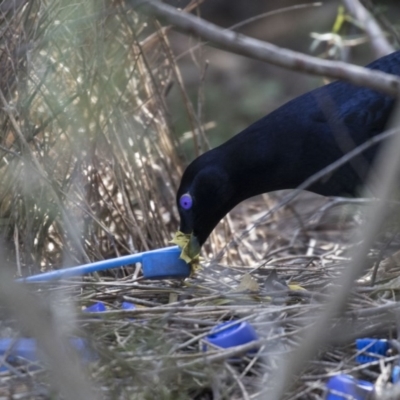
(308,133)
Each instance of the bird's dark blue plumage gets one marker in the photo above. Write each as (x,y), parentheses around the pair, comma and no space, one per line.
(283,149)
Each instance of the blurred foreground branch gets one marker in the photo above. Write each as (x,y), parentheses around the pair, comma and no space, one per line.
(263,51)
(35,317)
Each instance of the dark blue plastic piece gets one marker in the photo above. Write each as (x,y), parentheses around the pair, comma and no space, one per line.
(161,263)
(96,307)
(125,305)
(165,266)
(345,386)
(372,346)
(24,351)
(230,334)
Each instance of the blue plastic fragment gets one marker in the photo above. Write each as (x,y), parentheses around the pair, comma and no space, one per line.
(24,351)
(96,307)
(230,334)
(341,387)
(371,346)
(18,351)
(396,374)
(100,307)
(125,305)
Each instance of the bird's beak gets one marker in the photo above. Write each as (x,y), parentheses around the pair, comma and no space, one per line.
(190,246)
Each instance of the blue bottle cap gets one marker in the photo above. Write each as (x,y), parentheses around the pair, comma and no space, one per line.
(230,334)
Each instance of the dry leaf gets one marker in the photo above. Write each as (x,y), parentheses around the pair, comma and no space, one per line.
(293,286)
(248,283)
(190,249)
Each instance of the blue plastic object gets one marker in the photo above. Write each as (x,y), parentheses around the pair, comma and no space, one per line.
(372,346)
(396,374)
(96,307)
(345,386)
(167,265)
(230,334)
(100,307)
(24,350)
(125,305)
(157,264)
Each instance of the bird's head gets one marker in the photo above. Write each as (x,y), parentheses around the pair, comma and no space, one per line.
(204,197)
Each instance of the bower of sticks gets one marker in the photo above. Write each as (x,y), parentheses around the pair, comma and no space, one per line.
(90,163)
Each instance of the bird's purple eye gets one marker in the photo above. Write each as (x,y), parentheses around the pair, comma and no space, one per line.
(186,201)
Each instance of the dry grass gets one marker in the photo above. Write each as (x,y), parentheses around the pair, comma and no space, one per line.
(89,170)
(89,164)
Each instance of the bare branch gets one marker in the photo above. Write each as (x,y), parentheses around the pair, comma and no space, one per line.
(263,51)
(377,37)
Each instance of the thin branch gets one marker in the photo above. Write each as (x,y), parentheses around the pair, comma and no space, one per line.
(263,51)
(273,13)
(377,37)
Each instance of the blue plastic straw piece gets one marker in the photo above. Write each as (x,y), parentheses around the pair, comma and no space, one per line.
(93,267)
